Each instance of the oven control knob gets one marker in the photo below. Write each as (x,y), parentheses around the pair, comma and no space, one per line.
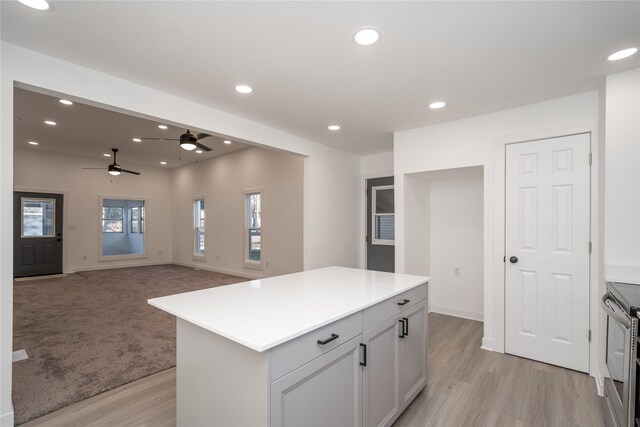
(513,259)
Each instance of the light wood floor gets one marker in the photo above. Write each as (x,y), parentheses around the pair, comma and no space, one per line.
(467,387)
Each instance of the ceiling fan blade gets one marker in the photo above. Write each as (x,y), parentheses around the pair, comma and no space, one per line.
(95,168)
(202,147)
(202,135)
(131,172)
(161,139)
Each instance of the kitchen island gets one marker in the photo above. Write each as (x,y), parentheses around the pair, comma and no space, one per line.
(328,347)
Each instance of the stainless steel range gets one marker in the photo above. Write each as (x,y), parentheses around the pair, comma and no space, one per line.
(622,305)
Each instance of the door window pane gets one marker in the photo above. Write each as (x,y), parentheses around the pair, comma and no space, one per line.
(384,200)
(38,217)
(383,215)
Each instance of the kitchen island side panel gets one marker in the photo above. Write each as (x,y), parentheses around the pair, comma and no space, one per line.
(218,381)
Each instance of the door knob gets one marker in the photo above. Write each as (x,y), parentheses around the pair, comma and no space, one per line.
(513,259)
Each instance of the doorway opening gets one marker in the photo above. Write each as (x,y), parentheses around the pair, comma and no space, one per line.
(37,234)
(444,237)
(380,220)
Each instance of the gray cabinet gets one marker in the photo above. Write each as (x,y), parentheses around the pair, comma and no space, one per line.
(324,392)
(396,368)
(413,353)
(380,402)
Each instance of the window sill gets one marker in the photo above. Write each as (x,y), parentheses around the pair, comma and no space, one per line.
(199,258)
(253,265)
(102,258)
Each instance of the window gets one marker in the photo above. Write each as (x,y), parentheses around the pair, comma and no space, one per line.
(383,221)
(253,229)
(198,226)
(38,217)
(136,219)
(112,219)
(123,223)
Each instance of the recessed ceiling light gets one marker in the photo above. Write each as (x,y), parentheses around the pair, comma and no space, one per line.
(107,155)
(33,143)
(366,36)
(66,102)
(163,127)
(437,104)
(137,140)
(199,151)
(243,89)
(163,163)
(227,142)
(50,123)
(621,54)
(333,127)
(36,4)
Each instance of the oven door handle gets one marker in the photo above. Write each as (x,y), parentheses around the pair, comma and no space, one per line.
(613,309)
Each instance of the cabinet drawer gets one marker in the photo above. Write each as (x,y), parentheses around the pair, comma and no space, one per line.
(385,309)
(295,353)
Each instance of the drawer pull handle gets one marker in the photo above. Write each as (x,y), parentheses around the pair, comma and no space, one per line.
(364,353)
(402,334)
(328,340)
(406,326)
(403,302)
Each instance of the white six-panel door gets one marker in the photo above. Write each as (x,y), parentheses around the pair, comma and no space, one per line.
(547,230)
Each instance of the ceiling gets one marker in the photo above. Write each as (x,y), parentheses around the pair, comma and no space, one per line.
(90,131)
(307,71)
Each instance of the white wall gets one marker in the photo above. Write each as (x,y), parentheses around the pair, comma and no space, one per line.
(222,181)
(331,176)
(38,170)
(622,179)
(456,241)
(479,141)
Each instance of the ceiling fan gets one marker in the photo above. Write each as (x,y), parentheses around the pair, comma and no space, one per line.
(188,141)
(114,168)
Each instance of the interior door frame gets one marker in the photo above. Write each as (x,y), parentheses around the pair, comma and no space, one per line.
(496,295)
(65,217)
(363,212)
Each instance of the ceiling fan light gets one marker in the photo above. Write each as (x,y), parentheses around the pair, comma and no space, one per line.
(187,145)
(114,172)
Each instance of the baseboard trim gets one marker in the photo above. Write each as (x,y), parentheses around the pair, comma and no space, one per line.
(452,311)
(487,344)
(599,379)
(109,267)
(6,420)
(201,266)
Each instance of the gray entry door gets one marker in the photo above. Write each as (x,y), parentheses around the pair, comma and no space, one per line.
(37,234)
(380,224)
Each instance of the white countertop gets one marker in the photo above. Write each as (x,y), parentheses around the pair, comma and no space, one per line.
(264,313)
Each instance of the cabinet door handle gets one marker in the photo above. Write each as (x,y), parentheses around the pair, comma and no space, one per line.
(364,354)
(406,326)
(328,340)
(403,302)
(401,328)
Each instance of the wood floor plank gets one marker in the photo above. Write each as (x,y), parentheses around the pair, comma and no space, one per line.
(468,386)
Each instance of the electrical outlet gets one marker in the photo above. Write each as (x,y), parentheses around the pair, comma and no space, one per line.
(456,271)
(267,264)
(84,257)
(217,257)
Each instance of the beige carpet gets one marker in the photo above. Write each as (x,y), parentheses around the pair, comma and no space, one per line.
(93,331)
